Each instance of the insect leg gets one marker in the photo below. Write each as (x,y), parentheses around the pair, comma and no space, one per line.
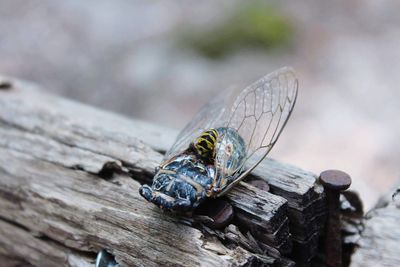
(216,186)
(146,192)
(221,179)
(164,201)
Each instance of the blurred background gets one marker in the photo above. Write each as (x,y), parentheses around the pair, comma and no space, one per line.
(161,61)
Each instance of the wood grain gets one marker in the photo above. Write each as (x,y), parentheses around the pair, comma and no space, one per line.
(379,242)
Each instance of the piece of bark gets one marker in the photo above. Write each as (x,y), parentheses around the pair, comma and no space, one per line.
(379,240)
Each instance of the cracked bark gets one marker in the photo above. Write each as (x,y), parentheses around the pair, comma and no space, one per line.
(379,238)
(66,191)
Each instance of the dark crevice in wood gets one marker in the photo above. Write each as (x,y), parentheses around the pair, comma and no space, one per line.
(77,167)
(14,223)
(161,151)
(8,196)
(226,237)
(12,125)
(140,175)
(108,169)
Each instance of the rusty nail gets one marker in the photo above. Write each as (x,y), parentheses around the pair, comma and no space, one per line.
(219,210)
(334,182)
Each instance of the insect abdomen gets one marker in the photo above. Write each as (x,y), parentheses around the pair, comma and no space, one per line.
(205,143)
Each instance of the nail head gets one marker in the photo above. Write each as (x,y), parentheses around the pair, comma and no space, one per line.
(335,180)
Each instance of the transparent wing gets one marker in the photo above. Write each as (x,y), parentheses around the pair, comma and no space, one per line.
(211,115)
(259,115)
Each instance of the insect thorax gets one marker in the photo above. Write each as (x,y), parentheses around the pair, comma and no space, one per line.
(204,144)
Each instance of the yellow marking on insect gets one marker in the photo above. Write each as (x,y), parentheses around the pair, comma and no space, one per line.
(166,197)
(205,143)
(209,144)
(167,171)
(214,135)
(201,148)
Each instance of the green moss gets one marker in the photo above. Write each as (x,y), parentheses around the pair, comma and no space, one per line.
(253,24)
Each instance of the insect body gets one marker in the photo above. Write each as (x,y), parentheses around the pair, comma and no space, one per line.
(180,183)
(223,143)
(185,181)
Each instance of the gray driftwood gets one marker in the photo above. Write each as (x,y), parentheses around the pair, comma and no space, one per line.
(379,241)
(66,191)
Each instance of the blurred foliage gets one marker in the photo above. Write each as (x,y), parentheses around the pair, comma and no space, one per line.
(252,24)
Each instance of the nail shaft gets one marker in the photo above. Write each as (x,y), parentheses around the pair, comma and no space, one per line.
(334,183)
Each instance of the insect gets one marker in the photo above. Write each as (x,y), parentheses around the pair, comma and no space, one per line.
(223,143)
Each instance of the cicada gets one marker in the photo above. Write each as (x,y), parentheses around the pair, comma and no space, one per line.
(223,143)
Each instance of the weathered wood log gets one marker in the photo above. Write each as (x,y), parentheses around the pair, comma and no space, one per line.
(66,179)
(379,242)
